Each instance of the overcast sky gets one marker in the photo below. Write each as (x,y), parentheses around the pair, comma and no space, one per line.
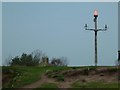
(58,30)
(0,33)
(119,26)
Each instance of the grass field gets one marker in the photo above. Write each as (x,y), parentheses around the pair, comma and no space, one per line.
(17,76)
(26,75)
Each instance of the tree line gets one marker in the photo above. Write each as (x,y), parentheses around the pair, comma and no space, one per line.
(37,58)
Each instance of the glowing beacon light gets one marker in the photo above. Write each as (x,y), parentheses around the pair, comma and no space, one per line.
(95,13)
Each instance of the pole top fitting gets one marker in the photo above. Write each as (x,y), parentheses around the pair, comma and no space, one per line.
(95,13)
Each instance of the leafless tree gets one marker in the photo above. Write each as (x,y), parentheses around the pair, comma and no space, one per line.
(117,62)
(59,61)
(8,60)
(64,61)
(37,55)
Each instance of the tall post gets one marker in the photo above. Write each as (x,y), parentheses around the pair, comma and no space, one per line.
(95,30)
(95,20)
(118,66)
(95,48)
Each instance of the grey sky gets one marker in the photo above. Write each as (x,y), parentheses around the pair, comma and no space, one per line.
(0,33)
(60,0)
(58,30)
(119,26)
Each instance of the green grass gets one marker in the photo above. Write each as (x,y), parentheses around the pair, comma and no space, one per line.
(94,85)
(60,77)
(26,75)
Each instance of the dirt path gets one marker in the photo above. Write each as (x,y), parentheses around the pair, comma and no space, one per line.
(36,84)
(70,80)
(45,79)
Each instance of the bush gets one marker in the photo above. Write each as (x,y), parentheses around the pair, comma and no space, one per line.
(85,72)
(13,75)
(60,77)
(112,70)
(24,60)
(59,61)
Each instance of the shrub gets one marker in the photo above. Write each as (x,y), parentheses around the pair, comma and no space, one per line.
(60,77)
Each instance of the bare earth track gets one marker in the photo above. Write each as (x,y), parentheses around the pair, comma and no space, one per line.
(71,79)
(45,79)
